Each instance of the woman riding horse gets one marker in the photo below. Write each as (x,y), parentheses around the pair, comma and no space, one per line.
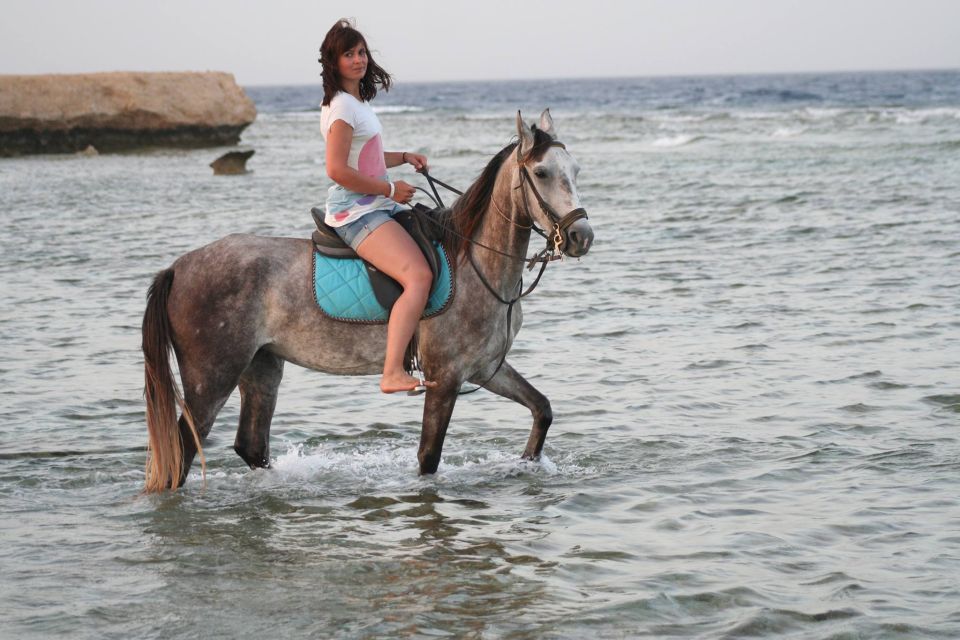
(361,205)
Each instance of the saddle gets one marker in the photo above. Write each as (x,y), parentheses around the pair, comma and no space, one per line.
(419,222)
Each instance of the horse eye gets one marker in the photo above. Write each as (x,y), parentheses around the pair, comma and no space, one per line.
(540,172)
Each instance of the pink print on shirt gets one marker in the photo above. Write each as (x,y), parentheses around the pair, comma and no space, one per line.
(371,163)
(340,215)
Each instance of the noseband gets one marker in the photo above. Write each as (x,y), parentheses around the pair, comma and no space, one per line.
(561,225)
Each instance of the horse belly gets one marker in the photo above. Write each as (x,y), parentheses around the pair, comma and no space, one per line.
(330,346)
(296,329)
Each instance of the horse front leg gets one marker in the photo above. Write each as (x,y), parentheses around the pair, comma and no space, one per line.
(511,385)
(437,409)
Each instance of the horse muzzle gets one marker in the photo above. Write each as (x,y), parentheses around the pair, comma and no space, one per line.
(577,238)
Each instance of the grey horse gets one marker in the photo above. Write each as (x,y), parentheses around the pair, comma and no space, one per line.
(235,310)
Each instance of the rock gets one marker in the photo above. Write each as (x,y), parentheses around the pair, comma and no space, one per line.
(120,110)
(232,163)
(90,151)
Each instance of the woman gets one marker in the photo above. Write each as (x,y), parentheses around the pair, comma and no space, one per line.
(361,203)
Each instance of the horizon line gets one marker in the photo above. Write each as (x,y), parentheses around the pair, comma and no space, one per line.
(642,77)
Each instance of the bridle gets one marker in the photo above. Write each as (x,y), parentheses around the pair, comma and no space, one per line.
(561,225)
(557,240)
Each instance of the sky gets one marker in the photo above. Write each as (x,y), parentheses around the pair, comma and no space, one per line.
(276,42)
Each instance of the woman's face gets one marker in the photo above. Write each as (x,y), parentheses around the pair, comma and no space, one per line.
(353,63)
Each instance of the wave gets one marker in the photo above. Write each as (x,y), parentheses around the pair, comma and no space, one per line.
(686,118)
(788,132)
(762,115)
(488,115)
(677,141)
(775,95)
(921,116)
(398,108)
(312,115)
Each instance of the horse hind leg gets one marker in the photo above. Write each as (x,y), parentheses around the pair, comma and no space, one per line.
(259,384)
(510,384)
(205,396)
(209,371)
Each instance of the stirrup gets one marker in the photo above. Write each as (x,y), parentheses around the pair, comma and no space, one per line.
(415,370)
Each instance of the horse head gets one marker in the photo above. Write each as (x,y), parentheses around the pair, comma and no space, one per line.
(548,187)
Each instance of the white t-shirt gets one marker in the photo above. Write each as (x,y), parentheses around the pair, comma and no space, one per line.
(366,156)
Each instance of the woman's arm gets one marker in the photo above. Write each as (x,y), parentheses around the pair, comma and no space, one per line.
(338,150)
(397,158)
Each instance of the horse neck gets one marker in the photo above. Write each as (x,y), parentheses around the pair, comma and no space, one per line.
(499,232)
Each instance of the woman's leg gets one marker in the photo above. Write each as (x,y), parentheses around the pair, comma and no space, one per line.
(391,249)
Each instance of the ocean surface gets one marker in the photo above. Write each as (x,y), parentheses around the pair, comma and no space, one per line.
(755,376)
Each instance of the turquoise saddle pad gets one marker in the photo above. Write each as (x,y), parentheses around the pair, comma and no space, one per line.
(343,292)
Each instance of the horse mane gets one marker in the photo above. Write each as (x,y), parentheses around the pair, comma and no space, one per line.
(460,221)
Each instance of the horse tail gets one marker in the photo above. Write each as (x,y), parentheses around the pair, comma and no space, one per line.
(164,447)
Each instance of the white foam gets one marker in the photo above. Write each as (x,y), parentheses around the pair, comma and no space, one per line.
(475,467)
(814,113)
(763,115)
(919,116)
(908,118)
(683,118)
(388,466)
(297,462)
(290,116)
(484,116)
(788,132)
(676,141)
(397,108)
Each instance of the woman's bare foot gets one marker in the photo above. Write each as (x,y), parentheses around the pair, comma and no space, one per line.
(401,382)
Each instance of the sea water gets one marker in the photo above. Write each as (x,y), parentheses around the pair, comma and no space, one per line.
(754,377)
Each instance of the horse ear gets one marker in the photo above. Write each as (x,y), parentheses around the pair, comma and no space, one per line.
(525,135)
(546,124)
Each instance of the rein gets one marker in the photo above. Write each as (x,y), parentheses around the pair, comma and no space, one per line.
(531,261)
(431,180)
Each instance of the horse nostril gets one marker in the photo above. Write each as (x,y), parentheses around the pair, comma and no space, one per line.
(574,238)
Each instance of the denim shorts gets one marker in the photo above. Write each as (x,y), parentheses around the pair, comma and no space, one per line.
(353,233)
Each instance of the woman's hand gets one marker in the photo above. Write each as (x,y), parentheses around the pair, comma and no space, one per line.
(402,192)
(418,160)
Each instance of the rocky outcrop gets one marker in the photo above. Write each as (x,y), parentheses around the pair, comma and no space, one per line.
(232,163)
(120,110)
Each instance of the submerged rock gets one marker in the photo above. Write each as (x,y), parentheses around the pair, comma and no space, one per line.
(232,163)
(120,110)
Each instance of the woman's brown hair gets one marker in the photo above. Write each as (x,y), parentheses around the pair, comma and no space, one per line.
(341,38)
